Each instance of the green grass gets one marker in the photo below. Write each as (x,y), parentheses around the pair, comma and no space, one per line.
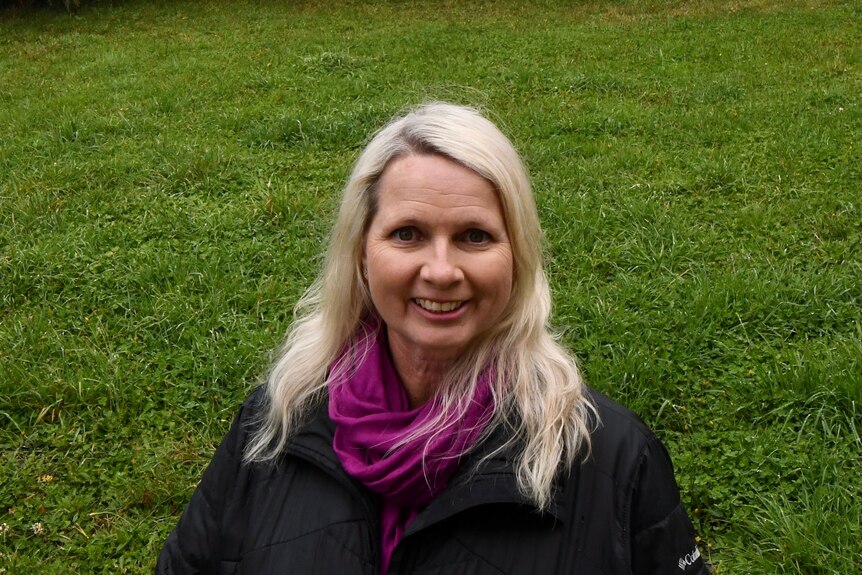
(168,172)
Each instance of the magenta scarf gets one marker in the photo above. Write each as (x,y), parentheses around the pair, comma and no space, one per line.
(371,411)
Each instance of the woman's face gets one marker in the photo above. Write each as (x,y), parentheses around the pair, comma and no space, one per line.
(438,257)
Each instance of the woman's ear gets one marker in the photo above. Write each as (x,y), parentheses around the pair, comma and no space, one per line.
(363,261)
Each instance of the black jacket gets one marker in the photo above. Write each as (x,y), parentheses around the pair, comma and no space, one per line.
(617,513)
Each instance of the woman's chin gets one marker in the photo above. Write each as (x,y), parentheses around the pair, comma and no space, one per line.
(432,344)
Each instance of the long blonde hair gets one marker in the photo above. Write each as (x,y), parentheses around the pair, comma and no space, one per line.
(538,392)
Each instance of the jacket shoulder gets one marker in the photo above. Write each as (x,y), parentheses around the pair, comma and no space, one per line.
(626,454)
(619,434)
(192,547)
(254,403)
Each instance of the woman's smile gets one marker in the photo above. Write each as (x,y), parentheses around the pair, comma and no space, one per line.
(437,307)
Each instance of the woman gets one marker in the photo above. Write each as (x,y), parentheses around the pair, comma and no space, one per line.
(420,417)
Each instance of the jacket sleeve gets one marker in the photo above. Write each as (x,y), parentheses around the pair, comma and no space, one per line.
(662,536)
(194,544)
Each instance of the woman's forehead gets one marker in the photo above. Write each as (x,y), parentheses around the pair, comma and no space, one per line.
(421,183)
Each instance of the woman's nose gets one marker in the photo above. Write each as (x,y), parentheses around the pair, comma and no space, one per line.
(440,267)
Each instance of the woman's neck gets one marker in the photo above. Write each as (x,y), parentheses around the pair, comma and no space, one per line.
(421,373)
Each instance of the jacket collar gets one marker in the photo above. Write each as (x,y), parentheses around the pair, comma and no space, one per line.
(481,479)
(486,476)
(313,442)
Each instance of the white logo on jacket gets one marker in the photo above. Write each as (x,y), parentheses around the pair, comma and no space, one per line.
(689,559)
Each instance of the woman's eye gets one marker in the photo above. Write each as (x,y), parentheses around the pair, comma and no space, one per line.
(477,236)
(405,234)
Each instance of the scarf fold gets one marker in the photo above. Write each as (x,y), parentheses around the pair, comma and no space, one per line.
(370,408)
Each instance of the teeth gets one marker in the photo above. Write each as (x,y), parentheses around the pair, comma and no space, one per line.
(438,306)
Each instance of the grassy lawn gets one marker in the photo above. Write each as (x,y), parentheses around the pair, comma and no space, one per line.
(168,172)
